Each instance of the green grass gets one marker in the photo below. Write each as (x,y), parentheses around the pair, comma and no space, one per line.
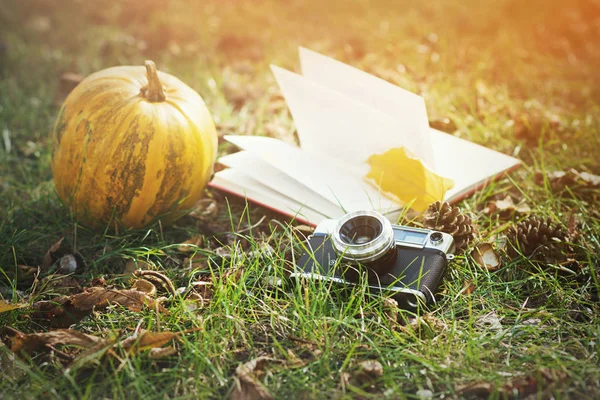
(522,79)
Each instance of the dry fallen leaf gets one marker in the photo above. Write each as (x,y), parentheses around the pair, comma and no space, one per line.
(5,306)
(518,386)
(205,209)
(99,297)
(51,254)
(157,278)
(146,340)
(486,257)
(247,385)
(144,286)
(30,343)
(468,287)
(65,310)
(363,375)
(162,352)
(190,245)
(561,179)
(506,208)
(371,368)
(94,347)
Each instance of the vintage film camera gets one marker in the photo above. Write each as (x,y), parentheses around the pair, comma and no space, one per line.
(408,262)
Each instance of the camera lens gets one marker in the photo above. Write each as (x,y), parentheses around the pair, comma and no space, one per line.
(436,237)
(360,230)
(363,236)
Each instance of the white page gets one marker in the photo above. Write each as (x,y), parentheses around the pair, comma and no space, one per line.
(275,179)
(350,192)
(244,185)
(466,162)
(407,108)
(333,125)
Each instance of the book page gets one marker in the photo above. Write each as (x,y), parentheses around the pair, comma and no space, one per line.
(278,181)
(468,163)
(407,108)
(240,184)
(327,179)
(333,125)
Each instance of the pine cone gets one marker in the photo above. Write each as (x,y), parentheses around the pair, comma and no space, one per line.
(448,219)
(537,237)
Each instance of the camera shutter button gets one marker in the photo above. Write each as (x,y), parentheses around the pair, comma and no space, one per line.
(436,238)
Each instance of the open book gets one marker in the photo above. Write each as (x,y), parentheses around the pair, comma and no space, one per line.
(364,144)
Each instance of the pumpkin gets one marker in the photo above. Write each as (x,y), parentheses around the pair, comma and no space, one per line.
(131,145)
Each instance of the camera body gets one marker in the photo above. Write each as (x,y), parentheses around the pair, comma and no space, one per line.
(409,262)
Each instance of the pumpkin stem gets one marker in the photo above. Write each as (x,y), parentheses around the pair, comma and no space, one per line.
(154,91)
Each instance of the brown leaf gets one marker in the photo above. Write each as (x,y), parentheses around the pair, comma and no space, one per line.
(145,340)
(162,352)
(506,208)
(144,286)
(577,182)
(363,375)
(30,343)
(205,209)
(96,352)
(468,287)
(477,390)
(99,297)
(190,245)
(50,255)
(247,385)
(371,369)
(486,257)
(519,386)
(157,278)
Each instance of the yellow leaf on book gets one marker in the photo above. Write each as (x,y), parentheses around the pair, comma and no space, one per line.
(407,179)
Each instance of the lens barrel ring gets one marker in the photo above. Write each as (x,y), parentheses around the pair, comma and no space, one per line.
(371,223)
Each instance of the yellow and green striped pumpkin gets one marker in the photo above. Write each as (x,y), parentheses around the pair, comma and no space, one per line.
(131,145)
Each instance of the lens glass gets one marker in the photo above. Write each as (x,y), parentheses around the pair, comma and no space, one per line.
(360,230)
